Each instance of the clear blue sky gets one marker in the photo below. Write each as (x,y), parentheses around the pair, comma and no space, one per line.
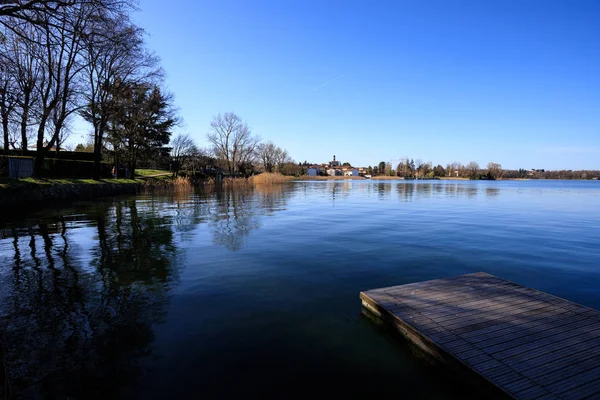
(511,81)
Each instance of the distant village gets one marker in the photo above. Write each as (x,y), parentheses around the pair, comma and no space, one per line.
(336,168)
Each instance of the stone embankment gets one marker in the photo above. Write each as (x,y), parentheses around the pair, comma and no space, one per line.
(20,200)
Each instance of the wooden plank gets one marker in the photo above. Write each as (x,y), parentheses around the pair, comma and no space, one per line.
(491,328)
(570,372)
(592,397)
(555,341)
(546,365)
(549,355)
(515,322)
(571,384)
(529,344)
(524,337)
(478,318)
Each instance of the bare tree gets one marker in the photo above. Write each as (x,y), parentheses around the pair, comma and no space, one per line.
(198,160)
(244,149)
(41,13)
(426,168)
(114,53)
(232,141)
(272,157)
(282,158)
(27,69)
(65,130)
(223,130)
(267,154)
(473,170)
(47,44)
(182,148)
(8,100)
(22,8)
(453,168)
(61,65)
(494,170)
(418,167)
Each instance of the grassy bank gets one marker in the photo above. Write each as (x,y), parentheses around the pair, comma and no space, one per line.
(151,172)
(25,183)
(143,177)
(21,196)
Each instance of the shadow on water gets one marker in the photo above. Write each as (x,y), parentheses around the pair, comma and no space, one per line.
(77,328)
(455,382)
(83,316)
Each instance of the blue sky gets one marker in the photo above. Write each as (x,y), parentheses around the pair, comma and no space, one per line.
(514,82)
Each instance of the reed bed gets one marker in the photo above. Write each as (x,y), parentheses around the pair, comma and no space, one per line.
(269,178)
(182,182)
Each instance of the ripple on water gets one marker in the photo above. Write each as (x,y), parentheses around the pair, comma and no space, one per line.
(258,289)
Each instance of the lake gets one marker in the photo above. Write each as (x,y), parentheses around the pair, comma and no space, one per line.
(213,293)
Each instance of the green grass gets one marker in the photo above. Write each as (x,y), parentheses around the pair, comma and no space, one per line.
(6,183)
(142,176)
(146,172)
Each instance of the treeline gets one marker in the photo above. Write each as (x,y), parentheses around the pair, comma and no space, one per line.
(233,149)
(61,59)
(558,174)
(411,168)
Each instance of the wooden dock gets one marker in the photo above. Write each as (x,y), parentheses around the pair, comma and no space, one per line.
(529,344)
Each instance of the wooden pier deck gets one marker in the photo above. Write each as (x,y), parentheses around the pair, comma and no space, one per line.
(527,343)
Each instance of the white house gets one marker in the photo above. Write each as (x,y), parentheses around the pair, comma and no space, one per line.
(333,168)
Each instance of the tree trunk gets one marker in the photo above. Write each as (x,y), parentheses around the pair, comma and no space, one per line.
(97,156)
(42,150)
(4,111)
(39,157)
(24,119)
(5,131)
(132,166)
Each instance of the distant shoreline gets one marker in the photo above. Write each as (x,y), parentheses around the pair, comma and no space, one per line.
(399,178)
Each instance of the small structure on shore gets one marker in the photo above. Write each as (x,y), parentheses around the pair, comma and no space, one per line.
(332,168)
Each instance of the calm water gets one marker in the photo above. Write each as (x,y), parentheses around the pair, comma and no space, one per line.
(208,294)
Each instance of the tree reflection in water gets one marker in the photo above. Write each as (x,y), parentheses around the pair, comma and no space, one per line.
(76,312)
(237,212)
(82,291)
(72,327)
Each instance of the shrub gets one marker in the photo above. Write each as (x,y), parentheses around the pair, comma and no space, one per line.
(58,168)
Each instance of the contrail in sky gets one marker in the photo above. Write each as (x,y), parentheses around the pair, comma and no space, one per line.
(327,83)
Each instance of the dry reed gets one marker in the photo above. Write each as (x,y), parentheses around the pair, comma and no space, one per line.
(182,183)
(269,178)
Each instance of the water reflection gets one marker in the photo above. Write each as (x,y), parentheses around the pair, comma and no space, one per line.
(233,219)
(80,292)
(404,190)
(339,189)
(410,191)
(237,212)
(492,192)
(73,324)
(85,292)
